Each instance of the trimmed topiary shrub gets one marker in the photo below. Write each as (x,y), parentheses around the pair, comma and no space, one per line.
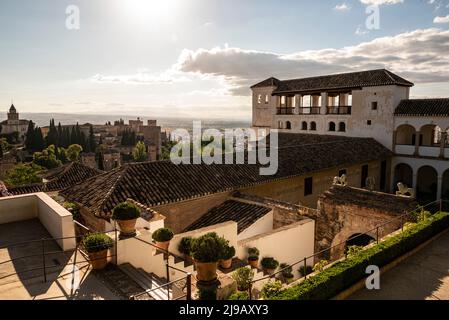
(97,242)
(240,296)
(305,271)
(228,252)
(125,211)
(340,276)
(253,254)
(162,235)
(208,248)
(269,263)
(243,277)
(271,289)
(185,245)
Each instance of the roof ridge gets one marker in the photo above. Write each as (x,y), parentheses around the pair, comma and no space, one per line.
(112,188)
(334,74)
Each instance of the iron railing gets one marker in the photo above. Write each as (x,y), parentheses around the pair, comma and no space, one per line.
(433,207)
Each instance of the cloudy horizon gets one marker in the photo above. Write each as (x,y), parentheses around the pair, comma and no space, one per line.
(198,59)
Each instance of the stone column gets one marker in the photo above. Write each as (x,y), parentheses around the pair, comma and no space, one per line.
(440,186)
(443,143)
(323,103)
(415,182)
(394,141)
(418,138)
(297,104)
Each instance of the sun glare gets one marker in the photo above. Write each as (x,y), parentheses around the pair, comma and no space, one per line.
(151,11)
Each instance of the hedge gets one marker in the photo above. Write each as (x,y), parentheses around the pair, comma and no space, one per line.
(343,274)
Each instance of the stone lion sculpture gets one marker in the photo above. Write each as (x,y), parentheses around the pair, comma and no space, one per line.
(341,181)
(405,191)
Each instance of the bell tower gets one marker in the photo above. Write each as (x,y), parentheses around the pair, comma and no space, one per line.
(13,116)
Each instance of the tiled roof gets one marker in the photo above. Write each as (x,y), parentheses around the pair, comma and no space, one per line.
(369,199)
(423,107)
(244,214)
(270,82)
(371,78)
(162,182)
(60,178)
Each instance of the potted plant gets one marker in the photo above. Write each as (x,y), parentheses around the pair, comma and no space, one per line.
(304,271)
(287,273)
(253,257)
(97,246)
(228,255)
(271,289)
(269,265)
(126,215)
(185,247)
(207,250)
(243,277)
(162,238)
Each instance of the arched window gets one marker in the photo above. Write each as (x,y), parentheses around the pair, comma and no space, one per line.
(342,127)
(280,125)
(304,125)
(313,126)
(331,126)
(288,125)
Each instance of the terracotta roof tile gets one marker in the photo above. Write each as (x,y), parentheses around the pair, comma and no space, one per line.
(423,107)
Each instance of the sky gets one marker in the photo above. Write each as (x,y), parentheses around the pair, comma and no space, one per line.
(198,58)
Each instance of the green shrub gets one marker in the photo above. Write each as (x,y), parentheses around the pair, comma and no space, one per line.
(269,263)
(185,245)
(319,266)
(74,209)
(271,289)
(125,211)
(228,252)
(287,271)
(207,294)
(305,270)
(208,248)
(240,295)
(162,235)
(243,277)
(253,254)
(343,274)
(353,250)
(97,242)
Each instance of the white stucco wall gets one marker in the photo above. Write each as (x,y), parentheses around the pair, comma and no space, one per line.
(261,226)
(57,220)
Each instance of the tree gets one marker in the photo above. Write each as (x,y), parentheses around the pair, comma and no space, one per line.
(47,158)
(62,155)
(52,137)
(73,152)
(100,161)
(91,143)
(30,139)
(39,142)
(1,151)
(23,174)
(140,152)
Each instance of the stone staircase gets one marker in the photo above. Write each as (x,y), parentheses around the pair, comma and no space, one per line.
(148,281)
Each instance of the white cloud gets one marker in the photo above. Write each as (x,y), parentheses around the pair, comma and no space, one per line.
(360,32)
(441,19)
(143,78)
(342,7)
(420,56)
(381,2)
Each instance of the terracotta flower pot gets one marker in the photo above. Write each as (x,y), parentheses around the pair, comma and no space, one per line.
(99,259)
(206,272)
(163,245)
(127,227)
(226,264)
(254,263)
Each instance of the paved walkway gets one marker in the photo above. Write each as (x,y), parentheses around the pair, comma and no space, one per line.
(423,276)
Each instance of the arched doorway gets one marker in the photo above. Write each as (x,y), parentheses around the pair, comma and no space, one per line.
(288,125)
(429,135)
(403,173)
(406,135)
(427,185)
(359,239)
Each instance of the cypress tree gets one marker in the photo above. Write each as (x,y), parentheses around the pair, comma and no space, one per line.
(30,139)
(100,161)
(39,142)
(91,144)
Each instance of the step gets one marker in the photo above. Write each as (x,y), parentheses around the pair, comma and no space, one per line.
(146,281)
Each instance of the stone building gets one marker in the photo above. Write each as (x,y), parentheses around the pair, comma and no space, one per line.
(13,123)
(372,104)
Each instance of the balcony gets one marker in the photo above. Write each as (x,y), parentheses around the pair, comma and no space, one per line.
(310,110)
(405,150)
(343,110)
(285,111)
(429,151)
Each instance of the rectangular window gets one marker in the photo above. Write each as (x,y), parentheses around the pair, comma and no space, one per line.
(383,176)
(364,176)
(374,105)
(259,99)
(369,122)
(306,101)
(350,99)
(267,99)
(308,186)
(283,101)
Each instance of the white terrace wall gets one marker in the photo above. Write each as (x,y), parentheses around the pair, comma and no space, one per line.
(288,244)
(228,230)
(57,220)
(261,226)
